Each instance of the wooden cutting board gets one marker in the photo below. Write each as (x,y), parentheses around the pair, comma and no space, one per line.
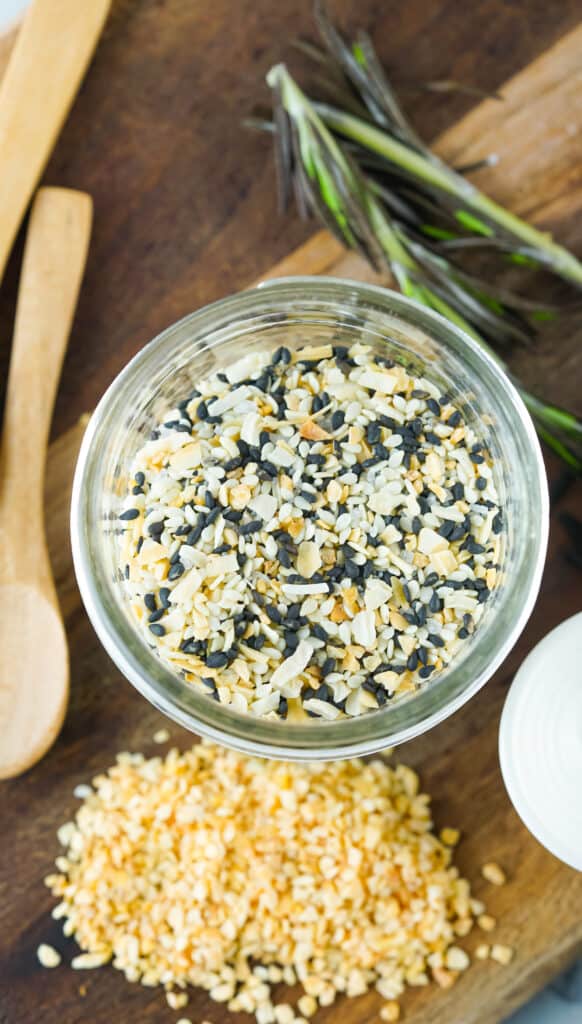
(540,909)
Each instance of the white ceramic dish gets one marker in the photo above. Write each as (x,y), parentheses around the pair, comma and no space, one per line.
(540,742)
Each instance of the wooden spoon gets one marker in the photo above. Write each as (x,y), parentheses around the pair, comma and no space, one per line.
(34,664)
(50,56)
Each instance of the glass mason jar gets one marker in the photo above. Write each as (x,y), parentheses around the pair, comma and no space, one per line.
(295,312)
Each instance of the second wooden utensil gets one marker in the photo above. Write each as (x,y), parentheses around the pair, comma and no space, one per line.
(34,669)
(51,54)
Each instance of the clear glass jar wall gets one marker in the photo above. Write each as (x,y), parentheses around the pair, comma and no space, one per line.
(296,312)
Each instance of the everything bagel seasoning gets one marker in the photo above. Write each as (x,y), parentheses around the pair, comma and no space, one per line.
(311,533)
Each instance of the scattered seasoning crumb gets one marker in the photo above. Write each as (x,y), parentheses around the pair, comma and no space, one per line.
(48,956)
(326,510)
(82,791)
(502,954)
(457,959)
(89,961)
(450,836)
(201,839)
(390,1011)
(307,1005)
(161,736)
(177,1000)
(444,978)
(486,922)
(493,873)
(483,951)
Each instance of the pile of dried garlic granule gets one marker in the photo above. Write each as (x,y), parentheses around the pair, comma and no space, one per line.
(209,868)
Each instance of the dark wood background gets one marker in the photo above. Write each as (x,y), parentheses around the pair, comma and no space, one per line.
(185,212)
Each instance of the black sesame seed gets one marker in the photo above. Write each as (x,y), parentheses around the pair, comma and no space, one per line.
(192,646)
(446,528)
(328,666)
(137,490)
(282,707)
(175,557)
(196,532)
(454,419)
(164,596)
(337,419)
(463,633)
(435,640)
(432,438)
(476,458)
(129,514)
(281,355)
(150,602)
(218,659)
(351,569)
(253,527)
(373,432)
(241,559)
(433,405)
(221,549)
(156,529)
(202,411)
(233,515)
(156,616)
(481,483)
(319,632)
(273,613)
(426,671)
(232,464)
(416,524)
(497,524)
(435,604)
(140,479)
(284,558)
(458,491)
(422,655)
(176,571)
(270,469)
(307,496)
(157,629)
(431,579)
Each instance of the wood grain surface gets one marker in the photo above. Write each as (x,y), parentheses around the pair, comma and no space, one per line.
(185,212)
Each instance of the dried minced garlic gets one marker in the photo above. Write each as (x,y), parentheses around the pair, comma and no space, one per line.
(234,874)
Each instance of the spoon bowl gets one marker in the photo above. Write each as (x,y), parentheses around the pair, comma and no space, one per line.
(34,675)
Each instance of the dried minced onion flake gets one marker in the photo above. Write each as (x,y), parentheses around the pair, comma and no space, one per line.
(212,869)
(325,500)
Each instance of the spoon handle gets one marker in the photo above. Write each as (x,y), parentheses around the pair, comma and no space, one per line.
(52,268)
(50,56)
